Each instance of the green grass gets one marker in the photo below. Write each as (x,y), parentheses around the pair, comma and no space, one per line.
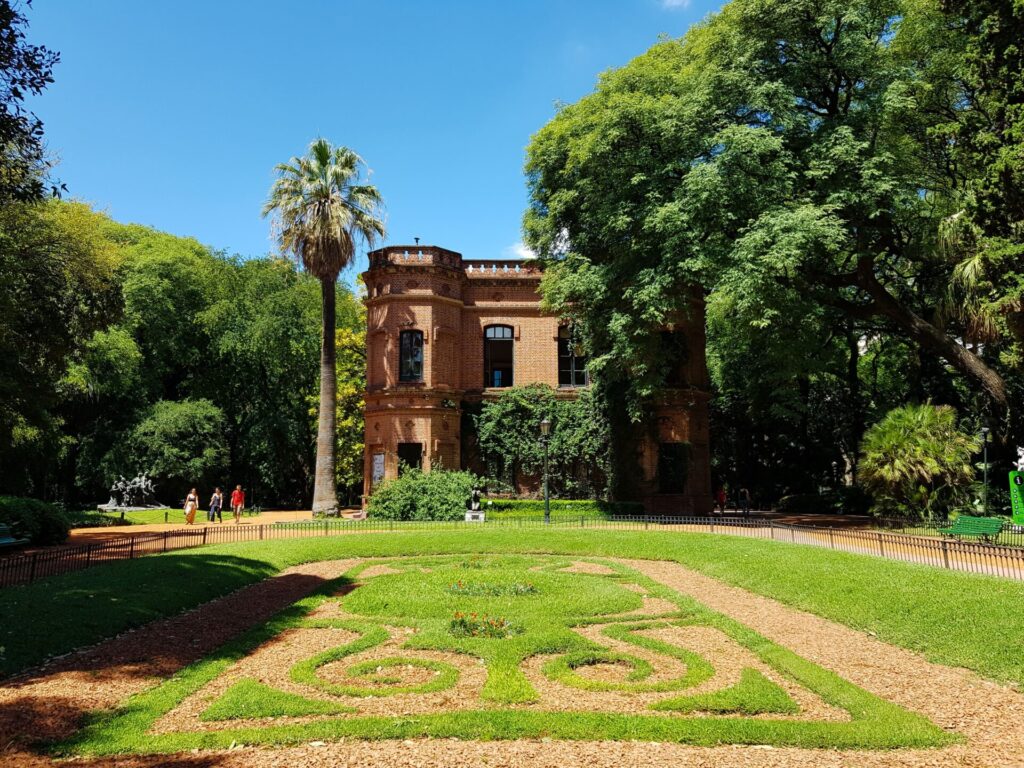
(952,618)
(417,598)
(754,694)
(95,518)
(248,699)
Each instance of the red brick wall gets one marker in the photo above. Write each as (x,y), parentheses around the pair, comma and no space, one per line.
(452,301)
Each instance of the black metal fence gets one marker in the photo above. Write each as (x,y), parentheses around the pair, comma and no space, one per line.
(1011,535)
(991,559)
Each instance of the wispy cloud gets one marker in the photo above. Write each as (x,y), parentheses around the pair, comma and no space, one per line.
(518,250)
(673,4)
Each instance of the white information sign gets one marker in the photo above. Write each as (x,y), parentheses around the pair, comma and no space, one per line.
(378,467)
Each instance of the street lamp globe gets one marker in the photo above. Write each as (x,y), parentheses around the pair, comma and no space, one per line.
(545,426)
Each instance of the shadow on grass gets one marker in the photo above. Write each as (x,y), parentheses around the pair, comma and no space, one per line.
(49,703)
(61,613)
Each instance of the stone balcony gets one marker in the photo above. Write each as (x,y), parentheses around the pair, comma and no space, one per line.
(490,268)
(433,256)
(414,255)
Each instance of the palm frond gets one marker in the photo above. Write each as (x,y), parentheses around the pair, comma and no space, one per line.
(323,208)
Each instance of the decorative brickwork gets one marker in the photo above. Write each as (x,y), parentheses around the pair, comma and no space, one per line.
(452,301)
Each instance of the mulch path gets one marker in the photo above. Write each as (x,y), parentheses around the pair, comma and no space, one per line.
(990,715)
(47,703)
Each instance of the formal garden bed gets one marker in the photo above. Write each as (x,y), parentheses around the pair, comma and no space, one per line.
(511,636)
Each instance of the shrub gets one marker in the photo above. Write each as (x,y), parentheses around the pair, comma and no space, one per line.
(418,495)
(917,461)
(39,522)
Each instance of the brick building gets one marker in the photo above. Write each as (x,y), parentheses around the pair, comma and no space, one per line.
(443,331)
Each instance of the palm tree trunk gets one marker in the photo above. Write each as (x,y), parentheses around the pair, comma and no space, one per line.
(325,494)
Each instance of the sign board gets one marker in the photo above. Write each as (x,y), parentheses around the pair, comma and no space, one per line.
(474,516)
(1017,496)
(378,468)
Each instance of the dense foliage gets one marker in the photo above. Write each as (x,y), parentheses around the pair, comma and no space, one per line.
(506,432)
(843,180)
(917,459)
(26,70)
(35,520)
(135,350)
(418,495)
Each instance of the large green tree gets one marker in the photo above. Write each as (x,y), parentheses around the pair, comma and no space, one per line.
(323,210)
(788,154)
(26,69)
(57,285)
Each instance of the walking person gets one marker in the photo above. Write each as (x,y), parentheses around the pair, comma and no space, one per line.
(745,501)
(721,498)
(216,503)
(191,505)
(237,503)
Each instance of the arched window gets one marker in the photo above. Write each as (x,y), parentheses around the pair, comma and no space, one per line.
(410,356)
(572,363)
(499,356)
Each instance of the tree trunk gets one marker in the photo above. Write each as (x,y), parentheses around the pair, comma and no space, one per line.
(325,494)
(857,419)
(932,338)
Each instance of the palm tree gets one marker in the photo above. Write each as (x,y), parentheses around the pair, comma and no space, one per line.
(322,210)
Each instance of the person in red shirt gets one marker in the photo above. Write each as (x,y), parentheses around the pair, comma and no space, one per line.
(237,502)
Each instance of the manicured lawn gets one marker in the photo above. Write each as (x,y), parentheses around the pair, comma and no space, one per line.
(531,607)
(952,618)
(94,518)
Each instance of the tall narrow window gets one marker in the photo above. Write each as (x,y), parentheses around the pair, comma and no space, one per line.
(572,364)
(499,356)
(410,356)
(410,456)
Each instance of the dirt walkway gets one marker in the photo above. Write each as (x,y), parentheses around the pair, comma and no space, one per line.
(176,522)
(989,715)
(47,703)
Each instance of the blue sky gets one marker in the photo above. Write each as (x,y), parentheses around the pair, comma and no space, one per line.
(173,114)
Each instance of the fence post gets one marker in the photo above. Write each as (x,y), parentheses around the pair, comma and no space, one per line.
(325,526)
(792,535)
(831,538)
(881,549)
(88,555)
(945,554)
(771,529)
(165,541)
(261,531)
(32,570)
(131,548)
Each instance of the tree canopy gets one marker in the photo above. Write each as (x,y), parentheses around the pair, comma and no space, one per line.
(119,332)
(792,155)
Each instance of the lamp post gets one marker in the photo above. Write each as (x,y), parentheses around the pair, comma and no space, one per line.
(545,432)
(984,487)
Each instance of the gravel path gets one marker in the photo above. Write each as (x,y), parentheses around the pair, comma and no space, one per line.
(992,716)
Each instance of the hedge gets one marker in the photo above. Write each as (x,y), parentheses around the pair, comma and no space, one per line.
(35,520)
(561,507)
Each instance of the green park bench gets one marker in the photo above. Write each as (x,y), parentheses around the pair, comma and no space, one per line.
(7,539)
(986,528)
